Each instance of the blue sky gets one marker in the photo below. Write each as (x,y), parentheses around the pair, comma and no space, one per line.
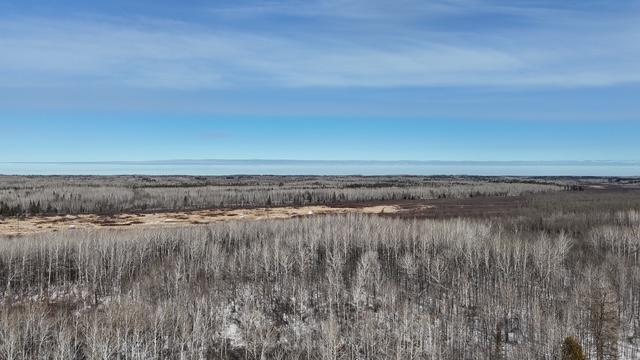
(323,79)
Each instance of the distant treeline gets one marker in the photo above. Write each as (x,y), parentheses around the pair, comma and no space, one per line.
(60,195)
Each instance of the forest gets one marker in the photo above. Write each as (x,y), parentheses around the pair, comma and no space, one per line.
(62,195)
(559,281)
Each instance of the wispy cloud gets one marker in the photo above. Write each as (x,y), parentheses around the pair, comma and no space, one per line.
(350,9)
(380,44)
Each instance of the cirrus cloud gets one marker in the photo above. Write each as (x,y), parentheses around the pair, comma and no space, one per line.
(418,44)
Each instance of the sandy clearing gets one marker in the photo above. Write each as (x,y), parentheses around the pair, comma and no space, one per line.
(38,224)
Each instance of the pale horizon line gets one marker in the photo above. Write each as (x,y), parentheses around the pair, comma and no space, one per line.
(347,161)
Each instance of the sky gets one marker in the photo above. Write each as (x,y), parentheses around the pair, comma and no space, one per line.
(319,79)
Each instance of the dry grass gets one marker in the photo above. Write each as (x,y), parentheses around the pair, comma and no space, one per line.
(41,224)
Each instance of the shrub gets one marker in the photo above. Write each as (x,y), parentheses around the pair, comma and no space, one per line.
(572,350)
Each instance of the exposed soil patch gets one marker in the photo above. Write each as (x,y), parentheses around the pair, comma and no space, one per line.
(611,198)
(14,226)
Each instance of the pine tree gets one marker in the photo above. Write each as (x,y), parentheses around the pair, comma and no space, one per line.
(572,350)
